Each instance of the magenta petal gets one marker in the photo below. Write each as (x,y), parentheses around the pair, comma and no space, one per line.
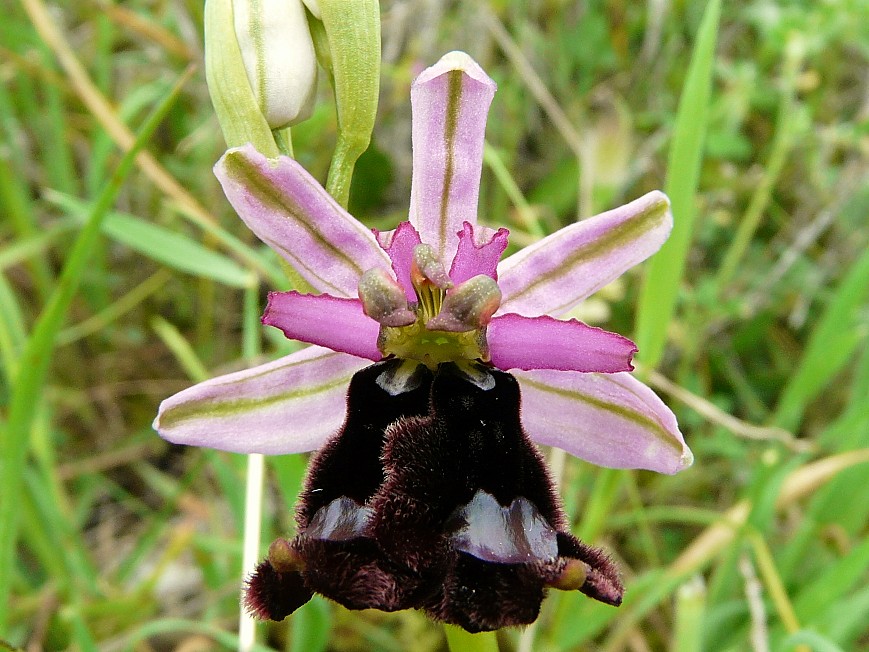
(291,405)
(450,103)
(295,216)
(477,255)
(399,245)
(517,342)
(610,420)
(339,324)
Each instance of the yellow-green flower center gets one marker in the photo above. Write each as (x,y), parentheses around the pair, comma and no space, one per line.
(431,347)
(447,323)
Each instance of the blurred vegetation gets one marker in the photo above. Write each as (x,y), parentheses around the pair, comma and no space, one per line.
(126,542)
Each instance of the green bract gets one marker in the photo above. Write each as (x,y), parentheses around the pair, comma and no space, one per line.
(347,41)
(234,102)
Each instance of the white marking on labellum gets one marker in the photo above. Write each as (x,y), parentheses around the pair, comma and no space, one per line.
(505,535)
(341,520)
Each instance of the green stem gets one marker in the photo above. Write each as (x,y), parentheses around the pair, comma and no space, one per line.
(347,152)
(284,141)
(459,640)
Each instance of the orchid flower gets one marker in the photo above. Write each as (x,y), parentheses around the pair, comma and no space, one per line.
(426,490)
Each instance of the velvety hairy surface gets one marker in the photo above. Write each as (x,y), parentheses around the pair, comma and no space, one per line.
(398,509)
(602,581)
(272,595)
(349,464)
(470,441)
(481,596)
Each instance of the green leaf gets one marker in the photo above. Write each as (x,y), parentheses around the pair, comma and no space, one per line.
(838,579)
(312,626)
(161,245)
(459,640)
(831,345)
(690,616)
(12,335)
(37,355)
(815,641)
(664,274)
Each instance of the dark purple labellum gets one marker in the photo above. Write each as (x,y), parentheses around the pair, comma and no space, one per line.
(431,498)
(342,478)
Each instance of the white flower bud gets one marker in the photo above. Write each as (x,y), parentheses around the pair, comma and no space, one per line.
(314,8)
(279,58)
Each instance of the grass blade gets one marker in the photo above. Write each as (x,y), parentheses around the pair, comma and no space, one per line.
(690,614)
(660,290)
(459,640)
(830,346)
(37,354)
(162,245)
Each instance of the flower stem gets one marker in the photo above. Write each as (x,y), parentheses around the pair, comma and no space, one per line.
(255,471)
(459,640)
(250,555)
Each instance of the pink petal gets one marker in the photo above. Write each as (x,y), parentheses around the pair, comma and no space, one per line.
(295,216)
(291,405)
(607,419)
(337,323)
(517,342)
(399,245)
(450,103)
(477,255)
(554,274)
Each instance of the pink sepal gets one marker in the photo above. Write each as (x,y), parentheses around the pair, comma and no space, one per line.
(610,420)
(290,405)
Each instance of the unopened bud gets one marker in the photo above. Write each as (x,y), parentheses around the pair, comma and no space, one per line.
(278,55)
(240,117)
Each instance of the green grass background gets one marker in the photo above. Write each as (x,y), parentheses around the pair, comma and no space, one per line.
(123,280)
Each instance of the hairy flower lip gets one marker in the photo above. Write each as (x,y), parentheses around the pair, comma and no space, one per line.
(438,522)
